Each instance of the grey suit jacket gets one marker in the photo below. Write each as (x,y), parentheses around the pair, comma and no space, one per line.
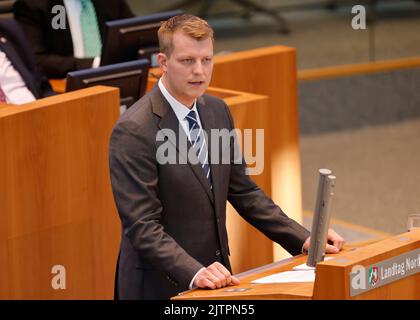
(173,223)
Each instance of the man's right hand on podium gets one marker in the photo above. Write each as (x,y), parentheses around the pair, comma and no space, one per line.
(335,242)
(215,276)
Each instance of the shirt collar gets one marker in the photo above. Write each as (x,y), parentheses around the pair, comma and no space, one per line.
(180,109)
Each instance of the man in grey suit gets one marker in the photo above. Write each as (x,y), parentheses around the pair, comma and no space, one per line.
(173,213)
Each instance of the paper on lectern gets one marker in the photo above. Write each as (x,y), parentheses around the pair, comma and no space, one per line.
(288,276)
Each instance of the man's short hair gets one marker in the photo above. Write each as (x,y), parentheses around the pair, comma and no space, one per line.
(190,25)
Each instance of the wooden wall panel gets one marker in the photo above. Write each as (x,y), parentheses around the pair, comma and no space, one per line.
(56,204)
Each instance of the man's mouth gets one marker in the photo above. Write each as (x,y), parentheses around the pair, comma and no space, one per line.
(195,83)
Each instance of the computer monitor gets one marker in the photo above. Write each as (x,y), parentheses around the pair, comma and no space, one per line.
(130,77)
(133,38)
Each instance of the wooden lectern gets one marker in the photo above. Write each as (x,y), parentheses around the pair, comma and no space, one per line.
(57,214)
(387,269)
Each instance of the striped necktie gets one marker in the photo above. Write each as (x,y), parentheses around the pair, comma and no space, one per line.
(199,143)
(92,43)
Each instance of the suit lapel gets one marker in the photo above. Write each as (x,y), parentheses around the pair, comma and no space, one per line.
(208,122)
(169,121)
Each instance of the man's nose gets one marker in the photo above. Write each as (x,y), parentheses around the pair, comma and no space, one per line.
(198,68)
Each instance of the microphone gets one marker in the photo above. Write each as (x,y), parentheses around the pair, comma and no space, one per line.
(321,218)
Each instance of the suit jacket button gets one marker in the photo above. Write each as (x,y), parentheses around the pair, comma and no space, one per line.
(217,253)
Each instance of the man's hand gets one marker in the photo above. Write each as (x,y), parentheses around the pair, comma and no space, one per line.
(333,237)
(215,276)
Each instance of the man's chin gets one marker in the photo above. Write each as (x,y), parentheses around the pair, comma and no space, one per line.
(198,92)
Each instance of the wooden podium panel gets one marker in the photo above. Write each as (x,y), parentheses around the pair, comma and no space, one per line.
(248,291)
(56,204)
(58,85)
(332,280)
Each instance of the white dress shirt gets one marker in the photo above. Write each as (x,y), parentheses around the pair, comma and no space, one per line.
(73,11)
(181,111)
(12,84)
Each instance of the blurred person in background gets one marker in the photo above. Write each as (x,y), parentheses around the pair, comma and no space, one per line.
(79,44)
(21,78)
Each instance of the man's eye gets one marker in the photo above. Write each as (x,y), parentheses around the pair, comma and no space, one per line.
(187,60)
(207,60)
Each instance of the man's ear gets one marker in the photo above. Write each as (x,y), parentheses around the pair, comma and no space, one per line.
(162,61)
